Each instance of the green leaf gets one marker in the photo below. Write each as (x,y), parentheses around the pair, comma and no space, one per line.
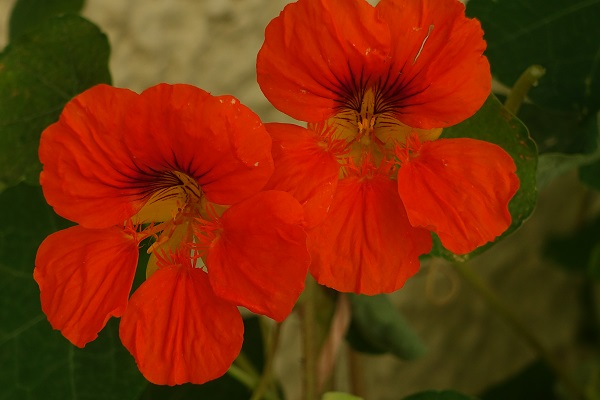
(593,267)
(535,381)
(590,175)
(439,395)
(378,327)
(225,387)
(37,362)
(493,123)
(556,131)
(28,14)
(552,165)
(339,396)
(562,36)
(576,252)
(39,73)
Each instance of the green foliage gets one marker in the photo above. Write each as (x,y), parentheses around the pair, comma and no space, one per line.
(339,396)
(39,72)
(562,160)
(558,35)
(439,395)
(590,175)
(563,38)
(36,362)
(493,123)
(377,327)
(535,381)
(28,14)
(577,252)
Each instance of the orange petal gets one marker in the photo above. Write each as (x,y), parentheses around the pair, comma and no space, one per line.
(113,149)
(304,168)
(86,166)
(438,53)
(260,259)
(315,52)
(218,141)
(366,244)
(460,189)
(85,276)
(178,331)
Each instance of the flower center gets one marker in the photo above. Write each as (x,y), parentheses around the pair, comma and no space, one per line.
(181,219)
(169,194)
(369,125)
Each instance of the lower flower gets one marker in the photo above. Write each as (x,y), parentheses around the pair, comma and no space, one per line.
(183,170)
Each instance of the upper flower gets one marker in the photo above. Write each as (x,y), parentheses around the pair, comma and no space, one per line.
(376,86)
(185,170)
(412,62)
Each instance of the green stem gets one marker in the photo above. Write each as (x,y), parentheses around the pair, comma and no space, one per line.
(309,338)
(520,89)
(494,302)
(265,379)
(242,376)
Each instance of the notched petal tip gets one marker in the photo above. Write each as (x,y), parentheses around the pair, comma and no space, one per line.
(260,260)
(178,330)
(85,276)
(460,189)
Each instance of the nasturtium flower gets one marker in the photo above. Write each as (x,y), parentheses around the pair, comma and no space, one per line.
(183,170)
(376,85)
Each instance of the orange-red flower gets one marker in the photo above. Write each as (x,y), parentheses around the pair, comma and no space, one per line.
(376,86)
(184,170)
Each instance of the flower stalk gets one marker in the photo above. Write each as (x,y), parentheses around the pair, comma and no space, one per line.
(309,338)
(519,91)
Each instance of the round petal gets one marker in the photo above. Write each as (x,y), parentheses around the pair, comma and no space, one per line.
(304,168)
(87,168)
(259,260)
(217,141)
(178,331)
(460,189)
(437,52)
(316,53)
(85,276)
(366,244)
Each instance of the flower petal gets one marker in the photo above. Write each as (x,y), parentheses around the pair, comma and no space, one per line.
(85,162)
(316,50)
(445,77)
(85,276)
(217,141)
(460,189)
(304,168)
(178,331)
(260,259)
(366,244)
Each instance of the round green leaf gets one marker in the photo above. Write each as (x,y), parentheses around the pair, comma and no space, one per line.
(28,14)
(494,124)
(562,36)
(39,73)
(37,362)
(590,175)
